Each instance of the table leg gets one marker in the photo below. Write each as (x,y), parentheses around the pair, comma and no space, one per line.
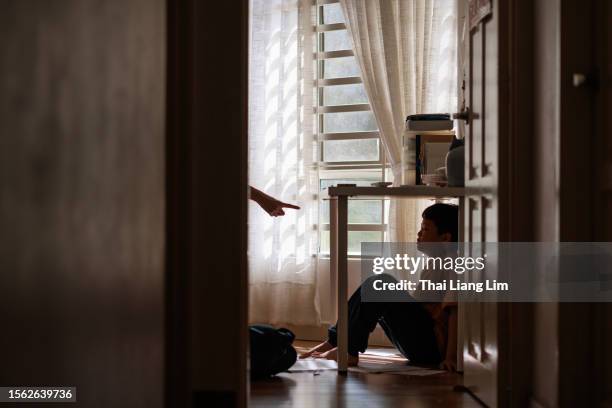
(341,261)
(333,256)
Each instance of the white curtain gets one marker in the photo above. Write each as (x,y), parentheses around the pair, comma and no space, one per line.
(282,250)
(406,50)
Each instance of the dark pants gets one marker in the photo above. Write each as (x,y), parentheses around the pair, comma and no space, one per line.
(406,323)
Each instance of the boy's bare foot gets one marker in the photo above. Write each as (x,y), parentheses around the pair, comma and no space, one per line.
(321,348)
(333,355)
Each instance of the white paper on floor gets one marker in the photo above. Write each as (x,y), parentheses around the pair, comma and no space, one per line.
(383,352)
(313,364)
(320,364)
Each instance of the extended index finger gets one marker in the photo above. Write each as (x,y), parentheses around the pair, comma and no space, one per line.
(287,205)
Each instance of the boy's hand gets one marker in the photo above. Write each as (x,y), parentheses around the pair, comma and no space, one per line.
(449,365)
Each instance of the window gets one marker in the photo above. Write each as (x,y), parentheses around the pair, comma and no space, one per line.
(350,149)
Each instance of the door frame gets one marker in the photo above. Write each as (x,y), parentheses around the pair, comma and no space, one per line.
(584,166)
(518,143)
(206,215)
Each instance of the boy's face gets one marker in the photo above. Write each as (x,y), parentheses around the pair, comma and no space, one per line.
(429,233)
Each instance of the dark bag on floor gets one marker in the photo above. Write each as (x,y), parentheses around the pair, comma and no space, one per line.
(271,350)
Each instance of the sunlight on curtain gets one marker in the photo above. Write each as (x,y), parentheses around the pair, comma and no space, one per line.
(406,50)
(282,146)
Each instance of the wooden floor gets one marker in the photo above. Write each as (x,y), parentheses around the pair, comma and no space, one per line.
(328,389)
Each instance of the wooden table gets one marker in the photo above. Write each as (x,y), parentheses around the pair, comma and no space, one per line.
(339,242)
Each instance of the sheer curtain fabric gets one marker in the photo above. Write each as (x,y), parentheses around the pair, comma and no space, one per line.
(282,146)
(406,50)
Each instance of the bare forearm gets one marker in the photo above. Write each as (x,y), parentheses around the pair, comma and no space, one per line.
(255,194)
(258,196)
(270,204)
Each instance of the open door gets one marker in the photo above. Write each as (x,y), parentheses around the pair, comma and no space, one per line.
(480,320)
(480,65)
(495,64)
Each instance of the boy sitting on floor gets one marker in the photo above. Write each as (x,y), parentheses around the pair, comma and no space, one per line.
(424,332)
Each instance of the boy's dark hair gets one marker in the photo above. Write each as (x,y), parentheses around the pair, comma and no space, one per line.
(445,217)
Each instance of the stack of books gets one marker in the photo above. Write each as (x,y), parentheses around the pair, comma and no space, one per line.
(429,122)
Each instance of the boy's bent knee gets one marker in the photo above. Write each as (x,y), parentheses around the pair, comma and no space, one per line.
(384,277)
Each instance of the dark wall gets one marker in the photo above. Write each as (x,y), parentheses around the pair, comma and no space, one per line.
(82,197)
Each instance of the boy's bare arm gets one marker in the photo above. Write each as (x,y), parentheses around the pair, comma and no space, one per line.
(450,361)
